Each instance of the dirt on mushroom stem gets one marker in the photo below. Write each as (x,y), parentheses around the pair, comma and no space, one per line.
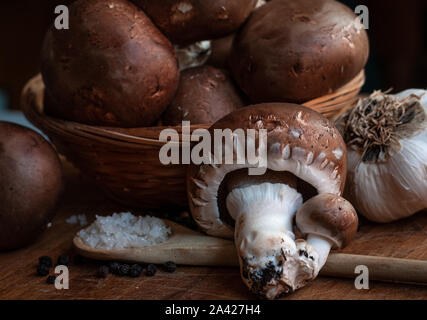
(270,258)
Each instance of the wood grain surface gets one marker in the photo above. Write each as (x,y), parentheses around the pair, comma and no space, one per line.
(18,279)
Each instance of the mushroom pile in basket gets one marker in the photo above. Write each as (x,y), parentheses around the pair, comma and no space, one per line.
(241,64)
(123,63)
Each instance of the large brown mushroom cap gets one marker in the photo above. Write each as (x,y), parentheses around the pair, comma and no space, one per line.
(112,67)
(294,51)
(329,216)
(300,141)
(188,21)
(205,94)
(30,184)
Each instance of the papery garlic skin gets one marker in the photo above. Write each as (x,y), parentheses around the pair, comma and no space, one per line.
(394,189)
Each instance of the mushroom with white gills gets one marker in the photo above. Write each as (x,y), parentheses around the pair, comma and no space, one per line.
(330,222)
(301,142)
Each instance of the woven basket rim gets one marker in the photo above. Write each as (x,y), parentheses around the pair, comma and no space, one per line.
(32,106)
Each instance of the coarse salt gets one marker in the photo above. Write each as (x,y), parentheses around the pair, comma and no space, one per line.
(124,231)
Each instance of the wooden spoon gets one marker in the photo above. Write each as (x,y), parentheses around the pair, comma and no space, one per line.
(184,246)
(188,247)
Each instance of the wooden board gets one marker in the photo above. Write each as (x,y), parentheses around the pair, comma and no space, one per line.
(405,239)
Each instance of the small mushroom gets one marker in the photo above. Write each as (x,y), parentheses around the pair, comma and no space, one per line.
(188,21)
(205,94)
(330,222)
(306,156)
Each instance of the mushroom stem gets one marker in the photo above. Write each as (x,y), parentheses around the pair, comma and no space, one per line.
(260,219)
(269,259)
(322,247)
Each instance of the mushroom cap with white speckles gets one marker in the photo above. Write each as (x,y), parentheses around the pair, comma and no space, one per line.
(299,140)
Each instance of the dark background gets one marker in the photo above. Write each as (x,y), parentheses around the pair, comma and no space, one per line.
(398,34)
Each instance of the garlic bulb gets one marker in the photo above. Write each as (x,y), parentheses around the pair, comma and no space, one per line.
(387,155)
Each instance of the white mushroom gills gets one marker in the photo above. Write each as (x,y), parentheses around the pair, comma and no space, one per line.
(265,240)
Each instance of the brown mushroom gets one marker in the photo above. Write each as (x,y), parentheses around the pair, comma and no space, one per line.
(189,21)
(221,49)
(30,184)
(297,50)
(303,148)
(112,67)
(329,221)
(205,94)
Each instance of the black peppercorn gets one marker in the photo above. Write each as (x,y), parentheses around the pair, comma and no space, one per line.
(151,270)
(42,270)
(123,270)
(63,260)
(170,266)
(114,267)
(135,271)
(47,261)
(103,272)
(50,280)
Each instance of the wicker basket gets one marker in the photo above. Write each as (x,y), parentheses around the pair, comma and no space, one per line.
(125,162)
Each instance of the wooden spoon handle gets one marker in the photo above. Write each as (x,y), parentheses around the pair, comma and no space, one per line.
(380,268)
(189,247)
